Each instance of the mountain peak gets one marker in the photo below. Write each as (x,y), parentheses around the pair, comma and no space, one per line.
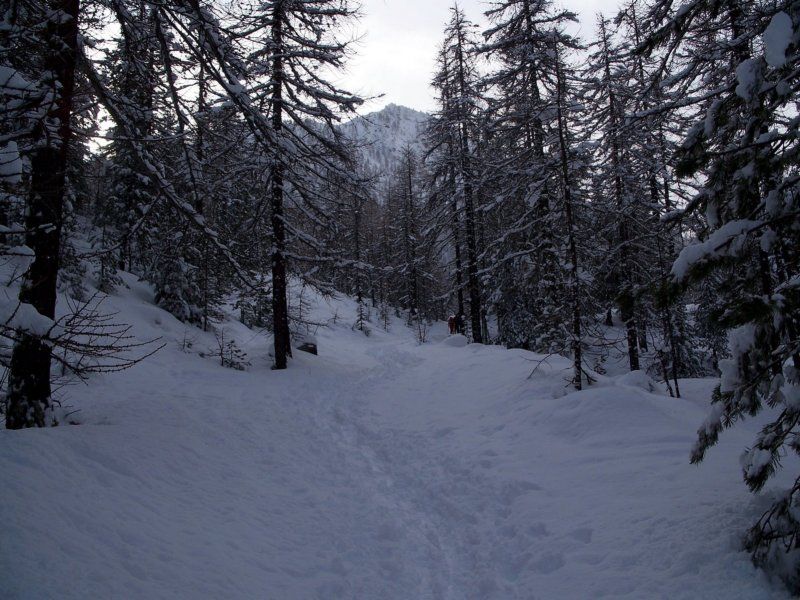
(384,133)
(392,107)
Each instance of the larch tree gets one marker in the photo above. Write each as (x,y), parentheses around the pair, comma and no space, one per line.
(441,159)
(572,162)
(459,99)
(50,114)
(299,41)
(522,252)
(616,185)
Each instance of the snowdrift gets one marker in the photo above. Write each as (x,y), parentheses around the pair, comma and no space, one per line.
(455,341)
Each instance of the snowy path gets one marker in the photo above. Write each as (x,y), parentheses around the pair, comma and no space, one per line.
(380,469)
(531,512)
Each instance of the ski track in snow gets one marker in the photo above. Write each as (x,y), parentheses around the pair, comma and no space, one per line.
(380,469)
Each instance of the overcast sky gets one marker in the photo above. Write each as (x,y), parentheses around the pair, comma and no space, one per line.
(400,37)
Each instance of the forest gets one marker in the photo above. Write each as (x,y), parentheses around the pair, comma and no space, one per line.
(632,196)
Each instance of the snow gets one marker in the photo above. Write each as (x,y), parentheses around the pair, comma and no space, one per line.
(747,75)
(773,203)
(13,313)
(24,317)
(710,122)
(727,240)
(754,460)
(455,341)
(740,341)
(10,163)
(639,379)
(381,468)
(12,82)
(777,38)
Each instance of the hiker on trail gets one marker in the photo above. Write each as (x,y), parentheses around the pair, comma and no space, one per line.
(460,324)
(451,324)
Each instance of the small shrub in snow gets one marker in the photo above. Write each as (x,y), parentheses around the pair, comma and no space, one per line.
(362,317)
(229,354)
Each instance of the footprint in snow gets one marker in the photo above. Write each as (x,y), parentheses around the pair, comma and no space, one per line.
(548,563)
(517,489)
(582,534)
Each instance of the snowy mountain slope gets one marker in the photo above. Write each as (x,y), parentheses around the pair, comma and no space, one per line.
(378,469)
(384,133)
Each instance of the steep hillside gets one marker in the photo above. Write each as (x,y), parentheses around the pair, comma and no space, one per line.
(384,133)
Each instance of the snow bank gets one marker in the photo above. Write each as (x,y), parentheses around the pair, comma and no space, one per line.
(641,380)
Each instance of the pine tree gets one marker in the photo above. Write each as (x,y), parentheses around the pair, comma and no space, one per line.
(651,140)
(571,164)
(131,67)
(743,148)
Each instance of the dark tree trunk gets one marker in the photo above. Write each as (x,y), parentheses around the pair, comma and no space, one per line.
(29,373)
(455,218)
(641,327)
(472,268)
(469,209)
(626,313)
(357,233)
(457,246)
(201,198)
(409,239)
(569,217)
(280,309)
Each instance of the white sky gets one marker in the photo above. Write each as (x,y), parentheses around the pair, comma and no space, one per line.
(399,40)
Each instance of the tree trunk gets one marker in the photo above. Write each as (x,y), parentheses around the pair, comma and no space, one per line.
(357,233)
(29,373)
(409,239)
(201,198)
(456,226)
(569,217)
(641,328)
(469,209)
(626,313)
(280,309)
(455,218)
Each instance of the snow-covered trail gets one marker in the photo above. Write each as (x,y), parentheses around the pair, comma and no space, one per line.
(539,494)
(379,469)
